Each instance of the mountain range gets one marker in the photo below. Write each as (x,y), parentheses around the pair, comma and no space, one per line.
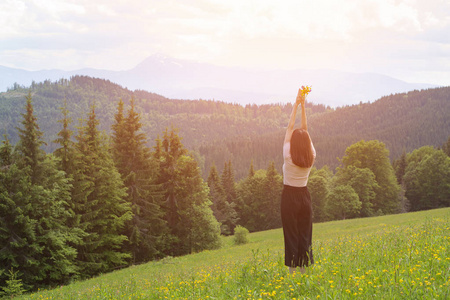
(182,79)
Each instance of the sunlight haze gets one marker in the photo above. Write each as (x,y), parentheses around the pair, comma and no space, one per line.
(408,40)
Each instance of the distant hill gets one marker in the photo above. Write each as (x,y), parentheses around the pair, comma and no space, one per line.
(404,122)
(198,120)
(181,79)
(217,131)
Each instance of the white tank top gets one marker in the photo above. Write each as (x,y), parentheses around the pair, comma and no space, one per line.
(294,175)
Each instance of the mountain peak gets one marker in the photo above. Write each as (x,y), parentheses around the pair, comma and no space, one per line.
(159,60)
(185,79)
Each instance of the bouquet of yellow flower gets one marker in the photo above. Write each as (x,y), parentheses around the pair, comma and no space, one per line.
(306,90)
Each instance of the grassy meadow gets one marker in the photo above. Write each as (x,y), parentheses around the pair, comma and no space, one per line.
(405,256)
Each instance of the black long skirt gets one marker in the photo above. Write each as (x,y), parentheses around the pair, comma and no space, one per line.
(296,217)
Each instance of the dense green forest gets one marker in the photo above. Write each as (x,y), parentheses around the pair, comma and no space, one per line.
(97,203)
(102,200)
(217,132)
(404,122)
(198,121)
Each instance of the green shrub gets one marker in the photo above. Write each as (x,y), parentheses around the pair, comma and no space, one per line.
(240,235)
(14,286)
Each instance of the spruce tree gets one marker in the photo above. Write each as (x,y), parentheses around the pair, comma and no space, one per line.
(70,162)
(400,167)
(99,204)
(223,210)
(51,210)
(67,149)
(6,150)
(251,171)
(49,197)
(217,197)
(251,200)
(446,147)
(139,169)
(157,153)
(14,286)
(30,142)
(259,196)
(119,137)
(228,183)
(273,186)
(187,206)
(20,249)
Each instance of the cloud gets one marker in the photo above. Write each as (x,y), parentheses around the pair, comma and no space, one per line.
(363,35)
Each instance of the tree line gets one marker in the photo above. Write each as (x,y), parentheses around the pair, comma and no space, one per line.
(365,184)
(216,132)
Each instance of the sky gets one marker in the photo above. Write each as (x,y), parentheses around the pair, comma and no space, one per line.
(405,39)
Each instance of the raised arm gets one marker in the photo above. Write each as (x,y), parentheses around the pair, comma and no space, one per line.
(304,125)
(300,100)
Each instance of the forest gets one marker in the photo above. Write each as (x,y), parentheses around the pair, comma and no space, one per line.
(102,194)
(216,132)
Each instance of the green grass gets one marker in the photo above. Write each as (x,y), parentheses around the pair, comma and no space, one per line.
(405,256)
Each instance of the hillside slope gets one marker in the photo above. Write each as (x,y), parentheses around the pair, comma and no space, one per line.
(352,258)
(404,122)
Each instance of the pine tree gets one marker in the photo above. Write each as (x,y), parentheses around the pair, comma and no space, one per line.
(187,206)
(194,209)
(400,167)
(446,147)
(171,150)
(251,199)
(49,197)
(223,210)
(157,153)
(217,197)
(66,152)
(100,203)
(51,211)
(138,169)
(231,199)
(273,186)
(20,249)
(214,180)
(14,286)
(30,142)
(70,162)
(228,183)
(259,196)
(251,171)
(6,150)
(119,136)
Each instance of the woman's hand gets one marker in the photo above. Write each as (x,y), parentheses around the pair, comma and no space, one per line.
(300,97)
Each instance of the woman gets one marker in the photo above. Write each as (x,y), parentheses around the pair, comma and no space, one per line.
(296,209)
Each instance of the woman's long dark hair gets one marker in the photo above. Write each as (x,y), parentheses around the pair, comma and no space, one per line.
(301,149)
